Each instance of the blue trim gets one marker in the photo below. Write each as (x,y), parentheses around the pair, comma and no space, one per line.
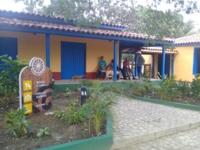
(115,60)
(136,73)
(172,64)
(163,62)
(74,34)
(48,55)
(152,66)
(52,20)
(195,62)
(189,44)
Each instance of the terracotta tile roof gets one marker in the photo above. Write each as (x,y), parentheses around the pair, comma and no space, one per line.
(192,39)
(55,17)
(157,50)
(5,21)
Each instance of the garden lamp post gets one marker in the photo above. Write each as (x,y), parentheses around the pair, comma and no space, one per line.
(83,95)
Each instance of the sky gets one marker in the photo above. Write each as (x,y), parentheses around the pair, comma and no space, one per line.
(11,5)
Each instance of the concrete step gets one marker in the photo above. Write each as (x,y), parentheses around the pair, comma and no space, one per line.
(130,141)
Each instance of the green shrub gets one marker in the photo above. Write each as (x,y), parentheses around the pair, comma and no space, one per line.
(168,89)
(9,78)
(195,86)
(16,122)
(184,87)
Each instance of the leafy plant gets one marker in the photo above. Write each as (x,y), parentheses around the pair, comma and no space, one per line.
(68,92)
(9,78)
(195,86)
(99,102)
(72,113)
(16,122)
(168,89)
(43,132)
(59,113)
(184,87)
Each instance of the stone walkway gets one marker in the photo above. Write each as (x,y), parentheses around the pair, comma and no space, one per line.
(188,140)
(137,121)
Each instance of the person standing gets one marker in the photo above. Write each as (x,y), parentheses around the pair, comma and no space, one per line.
(126,68)
(140,63)
(101,68)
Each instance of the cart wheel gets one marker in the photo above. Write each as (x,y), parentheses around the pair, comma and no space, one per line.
(37,66)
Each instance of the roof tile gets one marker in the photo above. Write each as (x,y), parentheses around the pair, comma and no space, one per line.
(65,27)
(188,39)
(157,49)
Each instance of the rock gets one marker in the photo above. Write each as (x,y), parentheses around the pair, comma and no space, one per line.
(48,113)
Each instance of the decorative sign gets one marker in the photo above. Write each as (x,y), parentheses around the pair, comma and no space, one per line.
(35,86)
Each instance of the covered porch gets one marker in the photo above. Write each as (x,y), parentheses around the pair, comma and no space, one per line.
(62,44)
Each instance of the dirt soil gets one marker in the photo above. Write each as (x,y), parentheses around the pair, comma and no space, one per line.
(60,132)
(187,100)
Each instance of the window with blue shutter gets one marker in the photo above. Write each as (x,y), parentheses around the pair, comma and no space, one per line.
(196,61)
(8,46)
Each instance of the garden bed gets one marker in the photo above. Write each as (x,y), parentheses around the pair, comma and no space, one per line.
(60,131)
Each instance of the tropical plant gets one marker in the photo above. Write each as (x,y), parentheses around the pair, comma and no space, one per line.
(43,132)
(16,122)
(9,78)
(100,100)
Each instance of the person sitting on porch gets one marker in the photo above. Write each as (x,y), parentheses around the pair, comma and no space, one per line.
(140,63)
(126,69)
(111,65)
(101,68)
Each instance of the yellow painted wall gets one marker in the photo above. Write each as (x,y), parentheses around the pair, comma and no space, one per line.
(183,63)
(148,59)
(30,45)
